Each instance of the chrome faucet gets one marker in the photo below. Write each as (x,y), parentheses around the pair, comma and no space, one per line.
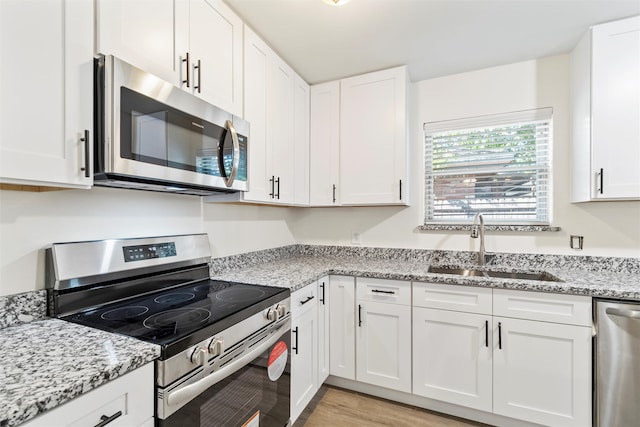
(479,230)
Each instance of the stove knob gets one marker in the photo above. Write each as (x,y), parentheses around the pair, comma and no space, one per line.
(282,310)
(199,356)
(271,314)
(215,347)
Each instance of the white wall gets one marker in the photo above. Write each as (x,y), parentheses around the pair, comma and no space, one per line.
(30,221)
(609,228)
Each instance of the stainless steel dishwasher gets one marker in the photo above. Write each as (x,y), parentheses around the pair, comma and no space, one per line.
(617,364)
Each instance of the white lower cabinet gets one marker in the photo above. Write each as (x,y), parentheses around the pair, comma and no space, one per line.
(323,329)
(452,357)
(304,348)
(383,333)
(132,396)
(512,357)
(342,344)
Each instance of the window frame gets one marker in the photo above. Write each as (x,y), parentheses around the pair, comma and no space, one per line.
(538,116)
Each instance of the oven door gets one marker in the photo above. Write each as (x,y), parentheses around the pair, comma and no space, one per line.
(256,392)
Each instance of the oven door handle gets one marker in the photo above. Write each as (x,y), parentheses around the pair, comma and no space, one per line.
(187,393)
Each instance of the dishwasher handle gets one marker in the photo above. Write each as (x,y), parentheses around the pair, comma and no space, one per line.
(623,312)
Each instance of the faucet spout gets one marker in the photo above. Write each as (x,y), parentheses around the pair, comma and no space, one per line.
(477,230)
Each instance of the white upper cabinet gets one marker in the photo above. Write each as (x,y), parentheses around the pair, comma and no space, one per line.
(194,44)
(373,138)
(605,97)
(144,33)
(276,104)
(215,47)
(46,93)
(300,141)
(324,145)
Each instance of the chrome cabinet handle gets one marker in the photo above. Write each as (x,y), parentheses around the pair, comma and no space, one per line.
(623,312)
(187,81)
(87,154)
(322,299)
(400,189)
(104,420)
(236,155)
(278,193)
(500,335)
(359,315)
(334,193)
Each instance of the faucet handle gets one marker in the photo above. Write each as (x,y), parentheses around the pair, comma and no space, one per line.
(474,231)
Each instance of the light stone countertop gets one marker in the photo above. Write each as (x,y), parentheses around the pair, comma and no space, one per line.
(298,271)
(48,362)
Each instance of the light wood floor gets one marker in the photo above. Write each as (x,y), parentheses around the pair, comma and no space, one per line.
(335,407)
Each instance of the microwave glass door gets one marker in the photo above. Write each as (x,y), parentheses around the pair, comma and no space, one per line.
(152,132)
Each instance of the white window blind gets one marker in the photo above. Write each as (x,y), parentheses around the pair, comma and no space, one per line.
(499,165)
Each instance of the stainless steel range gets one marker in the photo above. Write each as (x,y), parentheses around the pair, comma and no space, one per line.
(225,358)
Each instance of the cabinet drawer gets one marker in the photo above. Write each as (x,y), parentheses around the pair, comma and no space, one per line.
(304,300)
(469,299)
(132,395)
(383,290)
(557,308)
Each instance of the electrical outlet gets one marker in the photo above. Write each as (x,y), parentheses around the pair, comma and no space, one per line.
(576,242)
(355,238)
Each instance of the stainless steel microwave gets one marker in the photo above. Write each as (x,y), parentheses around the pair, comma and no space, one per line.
(151,135)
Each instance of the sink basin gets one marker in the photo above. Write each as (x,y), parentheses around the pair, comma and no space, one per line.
(498,274)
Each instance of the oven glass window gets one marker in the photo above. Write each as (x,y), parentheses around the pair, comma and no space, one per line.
(237,399)
(152,132)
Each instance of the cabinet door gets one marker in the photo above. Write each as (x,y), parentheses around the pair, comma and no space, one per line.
(280,127)
(304,360)
(150,34)
(373,140)
(45,92)
(452,357)
(300,141)
(324,144)
(615,101)
(215,46)
(342,350)
(383,345)
(323,330)
(256,63)
(542,372)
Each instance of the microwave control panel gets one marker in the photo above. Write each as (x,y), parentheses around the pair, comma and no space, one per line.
(144,252)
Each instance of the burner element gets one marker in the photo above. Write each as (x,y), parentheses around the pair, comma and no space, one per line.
(125,313)
(211,287)
(177,318)
(240,294)
(174,298)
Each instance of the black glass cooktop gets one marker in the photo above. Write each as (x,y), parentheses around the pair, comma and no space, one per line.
(169,316)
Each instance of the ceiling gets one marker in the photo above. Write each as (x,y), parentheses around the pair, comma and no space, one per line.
(432,37)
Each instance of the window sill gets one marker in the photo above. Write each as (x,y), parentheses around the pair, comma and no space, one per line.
(489,227)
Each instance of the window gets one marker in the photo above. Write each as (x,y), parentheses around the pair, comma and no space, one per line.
(498,165)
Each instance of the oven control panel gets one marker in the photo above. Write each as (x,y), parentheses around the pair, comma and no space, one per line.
(143,252)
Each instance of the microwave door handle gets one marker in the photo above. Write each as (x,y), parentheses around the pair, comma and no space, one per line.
(236,154)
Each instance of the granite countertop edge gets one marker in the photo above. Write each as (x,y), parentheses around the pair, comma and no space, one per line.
(29,389)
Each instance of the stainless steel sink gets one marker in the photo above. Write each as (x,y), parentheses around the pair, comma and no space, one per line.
(498,274)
